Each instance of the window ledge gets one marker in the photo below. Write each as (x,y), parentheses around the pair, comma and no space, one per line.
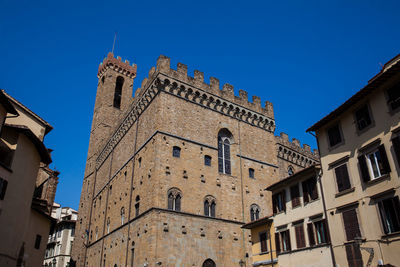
(311,201)
(305,248)
(344,192)
(379,179)
(386,236)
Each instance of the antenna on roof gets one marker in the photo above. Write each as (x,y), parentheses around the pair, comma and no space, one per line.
(115,37)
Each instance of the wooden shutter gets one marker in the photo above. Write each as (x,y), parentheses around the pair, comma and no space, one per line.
(274,204)
(364,169)
(295,195)
(288,240)
(314,190)
(353,254)
(326,231)
(385,162)
(300,241)
(277,243)
(263,242)
(396,147)
(282,196)
(342,177)
(310,231)
(305,192)
(396,205)
(351,225)
(383,217)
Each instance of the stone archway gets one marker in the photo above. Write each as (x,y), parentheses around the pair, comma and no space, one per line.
(208,263)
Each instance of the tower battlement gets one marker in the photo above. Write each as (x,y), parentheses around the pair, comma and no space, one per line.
(118,65)
(213,87)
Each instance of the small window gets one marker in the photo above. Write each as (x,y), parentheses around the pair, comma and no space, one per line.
(263,242)
(254,212)
(334,135)
(174,199)
(140,162)
(137,206)
(394,97)
(317,232)
(251,173)
(290,171)
(102,79)
(310,191)
(389,210)
(108,225)
(209,206)
(73,230)
(279,202)
(282,241)
(3,188)
(37,241)
(363,118)
(176,151)
(122,215)
(374,164)
(207,160)
(118,91)
(342,178)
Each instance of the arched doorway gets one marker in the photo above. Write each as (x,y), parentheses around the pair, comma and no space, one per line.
(208,263)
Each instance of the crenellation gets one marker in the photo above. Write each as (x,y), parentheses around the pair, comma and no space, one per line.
(118,65)
(228,89)
(307,148)
(296,142)
(257,102)
(198,77)
(243,95)
(163,63)
(182,69)
(284,136)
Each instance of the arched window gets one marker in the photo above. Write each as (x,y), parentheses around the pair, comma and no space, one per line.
(290,170)
(208,263)
(118,91)
(224,153)
(174,199)
(122,215)
(132,253)
(176,151)
(137,206)
(254,212)
(102,79)
(209,206)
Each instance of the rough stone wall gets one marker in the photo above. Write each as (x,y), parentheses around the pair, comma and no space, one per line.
(294,155)
(133,160)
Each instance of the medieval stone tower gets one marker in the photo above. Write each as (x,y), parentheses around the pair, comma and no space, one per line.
(173,172)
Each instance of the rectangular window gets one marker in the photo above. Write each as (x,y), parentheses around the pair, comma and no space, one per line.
(3,188)
(285,241)
(389,210)
(334,135)
(353,254)
(300,240)
(396,148)
(263,242)
(351,225)
(207,160)
(374,164)
(363,118)
(295,196)
(321,232)
(37,241)
(176,151)
(342,178)
(251,173)
(73,230)
(394,97)
(310,191)
(278,202)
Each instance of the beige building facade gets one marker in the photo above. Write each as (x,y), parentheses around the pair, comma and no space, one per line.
(174,172)
(26,193)
(300,228)
(359,143)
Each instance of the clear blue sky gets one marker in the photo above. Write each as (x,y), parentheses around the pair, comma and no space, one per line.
(307,57)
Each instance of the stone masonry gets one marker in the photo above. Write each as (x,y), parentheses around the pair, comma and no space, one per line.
(124,218)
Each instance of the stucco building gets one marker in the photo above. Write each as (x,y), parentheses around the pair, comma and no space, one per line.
(175,171)
(61,237)
(359,143)
(27,185)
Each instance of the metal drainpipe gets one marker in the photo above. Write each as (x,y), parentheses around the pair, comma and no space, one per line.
(319,177)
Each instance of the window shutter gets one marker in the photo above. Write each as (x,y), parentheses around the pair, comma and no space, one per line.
(396,204)
(383,217)
(326,231)
(342,178)
(300,241)
(364,169)
(294,195)
(277,243)
(351,224)
(310,231)
(282,195)
(396,147)
(288,240)
(274,204)
(305,192)
(263,242)
(314,190)
(384,158)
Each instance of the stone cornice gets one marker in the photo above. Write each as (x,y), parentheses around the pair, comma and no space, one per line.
(110,62)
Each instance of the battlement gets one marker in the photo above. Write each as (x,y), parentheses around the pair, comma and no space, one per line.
(118,65)
(283,140)
(213,87)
